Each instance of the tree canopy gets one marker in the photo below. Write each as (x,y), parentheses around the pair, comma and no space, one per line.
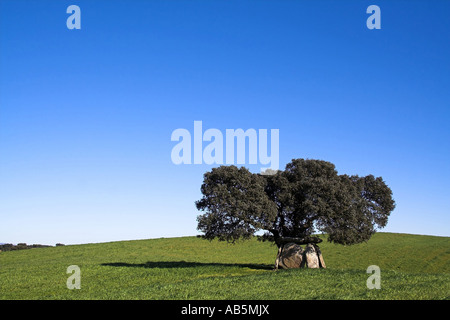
(308,197)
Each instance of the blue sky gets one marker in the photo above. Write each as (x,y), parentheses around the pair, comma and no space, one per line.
(86,115)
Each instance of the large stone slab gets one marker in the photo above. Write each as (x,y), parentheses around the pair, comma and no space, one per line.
(312,260)
(319,254)
(294,256)
(291,256)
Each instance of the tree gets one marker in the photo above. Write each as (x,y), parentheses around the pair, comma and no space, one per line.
(308,197)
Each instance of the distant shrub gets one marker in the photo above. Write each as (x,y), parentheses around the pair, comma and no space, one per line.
(20,246)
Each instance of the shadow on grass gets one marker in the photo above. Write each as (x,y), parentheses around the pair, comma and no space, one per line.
(185,264)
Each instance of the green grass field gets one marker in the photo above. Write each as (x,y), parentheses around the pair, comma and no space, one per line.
(412,267)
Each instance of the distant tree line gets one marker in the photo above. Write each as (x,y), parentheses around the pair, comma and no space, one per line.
(22,246)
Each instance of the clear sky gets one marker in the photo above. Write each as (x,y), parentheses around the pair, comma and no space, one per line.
(86,115)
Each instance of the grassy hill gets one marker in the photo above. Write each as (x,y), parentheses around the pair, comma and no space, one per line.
(412,267)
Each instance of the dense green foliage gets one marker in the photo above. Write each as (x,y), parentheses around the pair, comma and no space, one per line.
(412,267)
(309,196)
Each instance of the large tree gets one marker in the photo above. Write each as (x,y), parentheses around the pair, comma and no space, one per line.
(308,197)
